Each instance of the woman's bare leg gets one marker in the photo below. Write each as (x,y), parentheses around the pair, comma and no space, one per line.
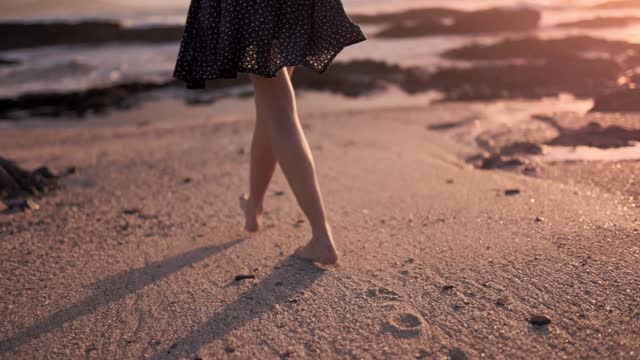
(263,164)
(275,100)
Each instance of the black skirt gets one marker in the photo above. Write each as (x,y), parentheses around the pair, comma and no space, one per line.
(225,37)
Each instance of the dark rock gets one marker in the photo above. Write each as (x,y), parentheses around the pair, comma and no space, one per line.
(244,276)
(497,161)
(622,100)
(187,180)
(593,134)
(502,302)
(17,185)
(172,347)
(475,22)
(229,349)
(361,77)
(451,124)
(278,193)
(34,34)
(20,204)
(539,219)
(581,77)
(601,22)
(422,354)
(449,181)
(511,192)
(413,15)
(521,147)
(77,103)
(447,288)
(532,48)
(457,354)
(8,62)
(352,79)
(131,211)
(539,320)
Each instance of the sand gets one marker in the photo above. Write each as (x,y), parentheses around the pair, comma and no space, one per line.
(137,257)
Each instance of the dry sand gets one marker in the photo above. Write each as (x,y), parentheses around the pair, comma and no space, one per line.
(136,258)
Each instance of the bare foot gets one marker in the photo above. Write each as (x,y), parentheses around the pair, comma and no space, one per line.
(319,250)
(252,214)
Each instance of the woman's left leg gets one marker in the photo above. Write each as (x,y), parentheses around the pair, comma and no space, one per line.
(262,167)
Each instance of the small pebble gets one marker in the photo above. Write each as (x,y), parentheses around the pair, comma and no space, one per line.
(457,354)
(511,192)
(244,276)
(447,287)
(539,320)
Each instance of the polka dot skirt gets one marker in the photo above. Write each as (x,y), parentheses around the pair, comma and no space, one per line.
(225,37)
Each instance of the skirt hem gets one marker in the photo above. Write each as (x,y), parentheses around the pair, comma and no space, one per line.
(198,84)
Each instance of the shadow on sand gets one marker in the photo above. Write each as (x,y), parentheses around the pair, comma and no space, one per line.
(286,281)
(112,289)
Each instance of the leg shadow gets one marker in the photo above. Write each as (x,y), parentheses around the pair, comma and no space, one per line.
(112,289)
(281,285)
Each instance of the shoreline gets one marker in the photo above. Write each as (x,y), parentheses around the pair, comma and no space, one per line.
(537,138)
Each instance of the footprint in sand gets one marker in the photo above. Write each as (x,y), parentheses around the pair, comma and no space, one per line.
(405,324)
(384,294)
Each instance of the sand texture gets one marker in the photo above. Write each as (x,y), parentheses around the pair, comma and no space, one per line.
(138,256)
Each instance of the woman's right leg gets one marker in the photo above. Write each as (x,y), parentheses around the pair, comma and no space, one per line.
(262,166)
(275,99)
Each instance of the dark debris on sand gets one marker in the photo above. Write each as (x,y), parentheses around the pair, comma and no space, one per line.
(244,277)
(539,320)
(8,62)
(19,187)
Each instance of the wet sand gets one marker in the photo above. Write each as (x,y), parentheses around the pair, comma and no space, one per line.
(138,256)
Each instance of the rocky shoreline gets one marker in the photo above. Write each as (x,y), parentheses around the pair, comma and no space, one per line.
(36,34)
(350,79)
(518,67)
(495,20)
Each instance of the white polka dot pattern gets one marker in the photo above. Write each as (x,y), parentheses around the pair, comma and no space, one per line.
(225,37)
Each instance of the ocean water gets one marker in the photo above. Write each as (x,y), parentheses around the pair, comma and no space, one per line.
(68,68)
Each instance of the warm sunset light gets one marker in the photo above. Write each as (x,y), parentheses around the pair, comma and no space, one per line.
(320,179)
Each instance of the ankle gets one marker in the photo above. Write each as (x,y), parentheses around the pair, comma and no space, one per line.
(321,231)
(254,202)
